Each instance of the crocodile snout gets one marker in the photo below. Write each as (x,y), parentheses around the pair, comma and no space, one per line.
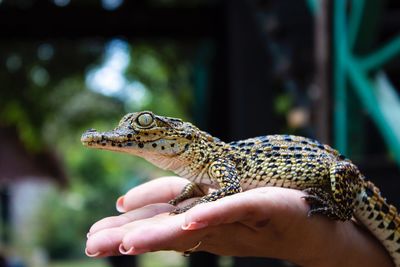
(91,135)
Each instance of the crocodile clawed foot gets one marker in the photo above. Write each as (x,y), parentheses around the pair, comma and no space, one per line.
(317,205)
(320,203)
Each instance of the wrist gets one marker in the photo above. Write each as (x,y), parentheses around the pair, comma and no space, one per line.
(351,245)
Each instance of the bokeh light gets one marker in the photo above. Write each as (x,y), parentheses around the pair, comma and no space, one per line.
(39,76)
(45,52)
(13,62)
(109,78)
(111,4)
(61,3)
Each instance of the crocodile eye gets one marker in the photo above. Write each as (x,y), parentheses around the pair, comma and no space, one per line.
(145,120)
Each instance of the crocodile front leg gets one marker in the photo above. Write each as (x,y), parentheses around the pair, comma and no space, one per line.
(190,190)
(225,173)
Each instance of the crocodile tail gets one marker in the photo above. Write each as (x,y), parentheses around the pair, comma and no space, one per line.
(381,218)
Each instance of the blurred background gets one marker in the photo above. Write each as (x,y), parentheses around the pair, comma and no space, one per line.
(236,68)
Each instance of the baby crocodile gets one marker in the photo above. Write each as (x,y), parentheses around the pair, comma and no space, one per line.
(334,185)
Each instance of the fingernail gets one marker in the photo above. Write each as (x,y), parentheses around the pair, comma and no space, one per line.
(88,235)
(194,226)
(120,204)
(123,251)
(92,255)
(131,251)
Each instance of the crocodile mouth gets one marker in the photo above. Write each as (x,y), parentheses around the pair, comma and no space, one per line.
(109,140)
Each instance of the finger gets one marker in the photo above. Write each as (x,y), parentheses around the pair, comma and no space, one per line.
(164,233)
(156,191)
(133,215)
(159,233)
(106,236)
(104,243)
(256,206)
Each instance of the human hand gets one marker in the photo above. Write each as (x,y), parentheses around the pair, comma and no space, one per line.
(263,222)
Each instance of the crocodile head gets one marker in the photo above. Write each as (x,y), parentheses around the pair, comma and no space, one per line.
(160,140)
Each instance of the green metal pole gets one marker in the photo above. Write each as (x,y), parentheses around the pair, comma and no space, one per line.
(383,55)
(340,94)
(313,6)
(357,8)
(365,91)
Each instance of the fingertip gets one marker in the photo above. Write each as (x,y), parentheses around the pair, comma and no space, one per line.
(124,251)
(194,225)
(201,216)
(92,254)
(120,204)
(131,250)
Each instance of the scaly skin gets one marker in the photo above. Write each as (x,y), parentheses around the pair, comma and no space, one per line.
(335,186)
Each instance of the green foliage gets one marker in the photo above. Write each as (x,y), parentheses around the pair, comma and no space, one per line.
(13,113)
(61,228)
(166,70)
(283,103)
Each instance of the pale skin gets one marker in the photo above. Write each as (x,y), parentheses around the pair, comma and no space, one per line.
(263,222)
